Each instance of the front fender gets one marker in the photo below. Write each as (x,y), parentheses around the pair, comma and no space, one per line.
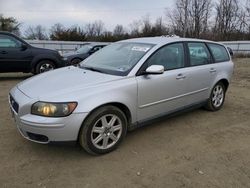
(41,57)
(122,91)
(125,93)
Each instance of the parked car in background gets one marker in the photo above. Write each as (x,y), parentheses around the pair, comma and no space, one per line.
(230,51)
(120,88)
(16,55)
(82,53)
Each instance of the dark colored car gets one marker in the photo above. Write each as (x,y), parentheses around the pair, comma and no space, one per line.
(230,51)
(82,53)
(16,55)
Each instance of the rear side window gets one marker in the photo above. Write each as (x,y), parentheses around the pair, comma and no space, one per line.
(199,54)
(219,52)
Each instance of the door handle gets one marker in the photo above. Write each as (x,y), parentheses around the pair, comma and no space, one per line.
(3,52)
(180,77)
(212,70)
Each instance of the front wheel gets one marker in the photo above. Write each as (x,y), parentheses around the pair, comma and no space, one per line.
(44,66)
(217,97)
(103,130)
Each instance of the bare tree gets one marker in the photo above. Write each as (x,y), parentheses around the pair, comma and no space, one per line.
(179,17)
(56,31)
(159,28)
(95,29)
(190,18)
(74,33)
(36,32)
(146,27)
(199,12)
(185,7)
(119,30)
(247,16)
(99,26)
(227,18)
(135,28)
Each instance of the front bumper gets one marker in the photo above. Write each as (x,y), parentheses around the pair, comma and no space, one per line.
(44,129)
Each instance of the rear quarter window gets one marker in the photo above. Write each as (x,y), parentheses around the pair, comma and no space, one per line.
(219,52)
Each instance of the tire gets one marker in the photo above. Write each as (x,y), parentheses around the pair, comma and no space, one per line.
(75,61)
(217,97)
(103,130)
(44,66)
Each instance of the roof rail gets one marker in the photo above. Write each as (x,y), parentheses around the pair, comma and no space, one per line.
(175,36)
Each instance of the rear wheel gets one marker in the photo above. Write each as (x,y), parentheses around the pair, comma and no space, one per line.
(103,130)
(44,66)
(217,97)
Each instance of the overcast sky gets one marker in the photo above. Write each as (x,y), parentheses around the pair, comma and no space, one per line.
(80,12)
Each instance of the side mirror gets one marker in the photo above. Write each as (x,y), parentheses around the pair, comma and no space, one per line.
(91,51)
(23,46)
(155,69)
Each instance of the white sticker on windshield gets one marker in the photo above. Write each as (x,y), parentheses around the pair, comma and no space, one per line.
(140,48)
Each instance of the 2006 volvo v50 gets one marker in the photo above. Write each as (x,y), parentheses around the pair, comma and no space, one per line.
(121,86)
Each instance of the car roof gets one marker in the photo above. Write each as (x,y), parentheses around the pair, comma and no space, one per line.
(7,33)
(163,40)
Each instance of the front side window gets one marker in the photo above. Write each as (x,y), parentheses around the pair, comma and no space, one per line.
(9,42)
(170,57)
(84,49)
(219,52)
(117,58)
(198,53)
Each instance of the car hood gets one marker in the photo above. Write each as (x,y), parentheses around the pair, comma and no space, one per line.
(44,50)
(62,81)
(69,54)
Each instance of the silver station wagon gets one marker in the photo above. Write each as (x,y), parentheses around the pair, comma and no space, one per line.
(119,88)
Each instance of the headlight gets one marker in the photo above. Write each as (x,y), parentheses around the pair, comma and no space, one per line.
(53,109)
(65,58)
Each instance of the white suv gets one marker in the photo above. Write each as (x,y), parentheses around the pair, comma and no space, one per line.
(121,87)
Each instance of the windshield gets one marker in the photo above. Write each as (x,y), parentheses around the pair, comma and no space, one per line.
(117,58)
(84,49)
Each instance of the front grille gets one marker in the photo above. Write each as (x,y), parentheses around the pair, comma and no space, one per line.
(14,104)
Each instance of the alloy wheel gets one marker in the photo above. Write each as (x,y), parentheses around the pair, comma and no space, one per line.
(106,131)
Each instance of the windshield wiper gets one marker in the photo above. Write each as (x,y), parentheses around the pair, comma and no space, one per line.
(92,69)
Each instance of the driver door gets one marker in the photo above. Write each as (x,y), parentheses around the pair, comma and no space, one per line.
(163,93)
(12,56)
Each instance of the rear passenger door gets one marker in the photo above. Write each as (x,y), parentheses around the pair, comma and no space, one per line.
(221,59)
(200,73)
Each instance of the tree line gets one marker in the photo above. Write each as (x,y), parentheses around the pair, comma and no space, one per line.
(213,20)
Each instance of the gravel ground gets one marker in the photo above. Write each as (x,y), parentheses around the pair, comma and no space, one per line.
(195,149)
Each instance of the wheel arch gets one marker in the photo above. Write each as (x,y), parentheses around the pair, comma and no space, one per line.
(119,105)
(225,82)
(38,59)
